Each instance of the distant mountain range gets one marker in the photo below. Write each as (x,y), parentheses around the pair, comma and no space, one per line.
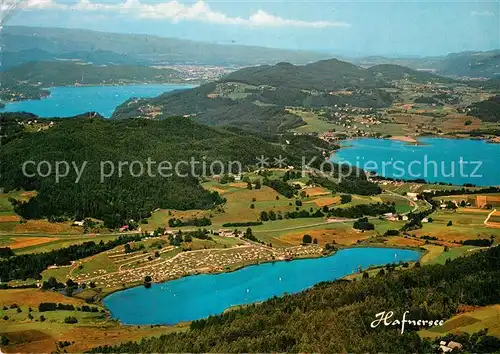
(462,65)
(22,44)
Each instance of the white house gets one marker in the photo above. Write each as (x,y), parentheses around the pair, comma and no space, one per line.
(412,195)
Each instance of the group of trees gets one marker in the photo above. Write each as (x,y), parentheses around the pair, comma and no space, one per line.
(356,211)
(281,187)
(189,222)
(307,239)
(241,224)
(271,215)
(360,210)
(6,252)
(480,242)
(363,224)
(487,110)
(52,306)
(321,319)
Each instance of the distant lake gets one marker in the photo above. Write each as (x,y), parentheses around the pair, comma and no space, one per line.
(68,101)
(200,296)
(436,160)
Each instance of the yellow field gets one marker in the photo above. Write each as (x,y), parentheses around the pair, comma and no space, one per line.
(315,191)
(44,226)
(402,241)
(342,235)
(9,218)
(22,242)
(322,201)
(33,297)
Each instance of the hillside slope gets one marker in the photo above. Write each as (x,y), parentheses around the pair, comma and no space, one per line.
(132,194)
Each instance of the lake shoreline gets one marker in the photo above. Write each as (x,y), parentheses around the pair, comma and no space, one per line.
(251,267)
(435,159)
(70,101)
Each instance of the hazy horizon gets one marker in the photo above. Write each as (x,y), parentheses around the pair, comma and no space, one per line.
(355,29)
(334,55)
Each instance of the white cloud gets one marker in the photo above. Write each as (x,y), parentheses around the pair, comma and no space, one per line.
(482,13)
(176,11)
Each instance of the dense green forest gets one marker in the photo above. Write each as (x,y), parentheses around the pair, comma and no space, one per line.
(62,73)
(336,316)
(117,199)
(487,110)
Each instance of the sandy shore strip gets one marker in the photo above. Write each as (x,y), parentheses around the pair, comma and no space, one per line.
(404,138)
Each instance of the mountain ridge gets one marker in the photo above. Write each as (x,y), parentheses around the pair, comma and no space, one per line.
(154,50)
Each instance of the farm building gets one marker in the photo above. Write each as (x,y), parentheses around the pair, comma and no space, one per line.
(481,201)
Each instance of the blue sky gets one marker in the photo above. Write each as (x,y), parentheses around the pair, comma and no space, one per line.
(391,28)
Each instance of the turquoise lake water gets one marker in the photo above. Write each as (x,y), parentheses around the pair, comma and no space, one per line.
(437,160)
(199,296)
(70,101)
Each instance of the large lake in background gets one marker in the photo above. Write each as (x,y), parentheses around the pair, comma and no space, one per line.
(420,161)
(198,296)
(68,101)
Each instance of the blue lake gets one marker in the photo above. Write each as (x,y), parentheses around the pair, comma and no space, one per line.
(199,296)
(69,101)
(436,160)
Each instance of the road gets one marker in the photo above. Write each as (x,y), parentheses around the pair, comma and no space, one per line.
(489,216)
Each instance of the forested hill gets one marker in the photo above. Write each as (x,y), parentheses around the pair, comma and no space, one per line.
(336,317)
(212,110)
(62,73)
(116,199)
(487,110)
(329,74)
(256,97)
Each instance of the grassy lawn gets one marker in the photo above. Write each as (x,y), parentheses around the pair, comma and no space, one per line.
(64,241)
(60,273)
(402,204)
(93,264)
(314,123)
(452,253)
